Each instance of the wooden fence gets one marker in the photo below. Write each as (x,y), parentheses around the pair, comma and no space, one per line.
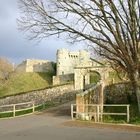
(97,111)
(14,109)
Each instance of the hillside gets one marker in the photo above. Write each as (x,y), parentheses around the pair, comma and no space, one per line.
(23,82)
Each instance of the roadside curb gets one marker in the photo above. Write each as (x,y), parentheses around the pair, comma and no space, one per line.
(124,127)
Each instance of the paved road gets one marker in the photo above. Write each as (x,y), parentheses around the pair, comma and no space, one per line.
(49,126)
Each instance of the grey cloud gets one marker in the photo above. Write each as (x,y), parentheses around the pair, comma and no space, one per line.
(13,44)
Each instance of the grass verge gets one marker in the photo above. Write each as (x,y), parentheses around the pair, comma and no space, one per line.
(134,116)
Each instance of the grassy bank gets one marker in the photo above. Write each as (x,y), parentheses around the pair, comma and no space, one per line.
(23,82)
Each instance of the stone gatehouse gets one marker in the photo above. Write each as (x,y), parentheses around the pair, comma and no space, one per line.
(67,61)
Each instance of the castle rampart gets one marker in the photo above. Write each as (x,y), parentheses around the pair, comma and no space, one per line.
(30,65)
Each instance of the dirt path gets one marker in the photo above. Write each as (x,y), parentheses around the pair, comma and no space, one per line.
(61,110)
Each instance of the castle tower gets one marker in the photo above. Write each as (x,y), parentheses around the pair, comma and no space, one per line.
(84,57)
(62,61)
(67,61)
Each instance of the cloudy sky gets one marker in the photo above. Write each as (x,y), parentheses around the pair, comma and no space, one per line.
(14,44)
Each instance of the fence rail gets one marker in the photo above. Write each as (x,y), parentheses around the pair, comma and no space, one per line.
(14,108)
(83,112)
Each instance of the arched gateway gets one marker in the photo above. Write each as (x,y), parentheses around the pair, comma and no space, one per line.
(92,96)
(82,74)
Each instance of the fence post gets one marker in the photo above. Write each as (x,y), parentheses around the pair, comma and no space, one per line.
(98,114)
(44,105)
(72,111)
(14,110)
(101,112)
(128,117)
(33,107)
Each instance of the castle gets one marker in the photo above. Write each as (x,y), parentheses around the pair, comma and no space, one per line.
(66,61)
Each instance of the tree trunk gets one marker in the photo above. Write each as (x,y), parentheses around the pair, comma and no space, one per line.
(138,97)
(136,87)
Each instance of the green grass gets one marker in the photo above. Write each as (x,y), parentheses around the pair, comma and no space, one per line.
(94,77)
(113,77)
(23,82)
(24,112)
(115,118)
(44,106)
(134,116)
(6,115)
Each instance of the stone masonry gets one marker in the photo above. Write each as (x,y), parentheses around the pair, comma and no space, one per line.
(30,65)
(56,94)
(92,95)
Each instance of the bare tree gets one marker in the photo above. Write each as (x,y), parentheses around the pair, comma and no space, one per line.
(6,68)
(112,27)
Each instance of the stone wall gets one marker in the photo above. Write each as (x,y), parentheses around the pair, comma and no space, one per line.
(119,93)
(62,79)
(56,94)
(30,65)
